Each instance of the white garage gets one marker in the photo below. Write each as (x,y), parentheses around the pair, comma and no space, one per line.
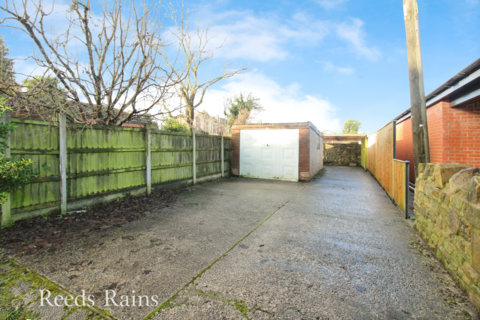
(282,151)
(269,154)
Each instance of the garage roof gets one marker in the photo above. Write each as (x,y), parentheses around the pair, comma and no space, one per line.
(284,125)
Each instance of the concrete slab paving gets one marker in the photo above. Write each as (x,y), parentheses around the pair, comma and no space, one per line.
(338,250)
(159,255)
(335,248)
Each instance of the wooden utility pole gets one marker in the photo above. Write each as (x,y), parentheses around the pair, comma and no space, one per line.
(421,149)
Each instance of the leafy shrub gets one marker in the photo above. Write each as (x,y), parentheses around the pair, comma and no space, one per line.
(14,174)
(173,125)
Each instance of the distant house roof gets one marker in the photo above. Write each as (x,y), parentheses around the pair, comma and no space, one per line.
(343,137)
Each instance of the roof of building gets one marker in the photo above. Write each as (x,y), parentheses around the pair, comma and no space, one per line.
(344,137)
(463,87)
(458,81)
(280,124)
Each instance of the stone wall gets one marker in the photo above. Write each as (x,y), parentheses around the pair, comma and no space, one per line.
(447,210)
(342,154)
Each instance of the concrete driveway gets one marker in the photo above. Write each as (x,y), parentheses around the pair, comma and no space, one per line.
(334,248)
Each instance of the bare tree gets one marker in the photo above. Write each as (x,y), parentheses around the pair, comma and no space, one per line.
(107,63)
(194,47)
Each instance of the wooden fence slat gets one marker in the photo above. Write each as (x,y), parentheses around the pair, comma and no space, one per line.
(378,152)
(222,152)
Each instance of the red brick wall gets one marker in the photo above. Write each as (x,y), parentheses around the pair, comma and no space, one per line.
(235,152)
(453,132)
(462,134)
(436,132)
(304,150)
(304,155)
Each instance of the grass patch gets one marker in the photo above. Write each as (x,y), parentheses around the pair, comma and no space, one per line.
(14,276)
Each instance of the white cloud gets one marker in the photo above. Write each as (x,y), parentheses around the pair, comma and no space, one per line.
(262,39)
(281,103)
(329,66)
(354,33)
(266,38)
(472,2)
(330,4)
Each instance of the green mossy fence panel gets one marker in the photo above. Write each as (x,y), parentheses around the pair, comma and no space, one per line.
(171,174)
(206,169)
(38,141)
(174,153)
(104,183)
(208,150)
(102,160)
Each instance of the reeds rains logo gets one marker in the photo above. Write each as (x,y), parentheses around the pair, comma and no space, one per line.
(111,299)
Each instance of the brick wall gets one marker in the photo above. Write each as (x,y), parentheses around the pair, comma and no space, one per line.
(235,152)
(435,131)
(304,155)
(453,134)
(462,134)
(447,210)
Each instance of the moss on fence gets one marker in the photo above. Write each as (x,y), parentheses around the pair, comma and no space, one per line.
(105,161)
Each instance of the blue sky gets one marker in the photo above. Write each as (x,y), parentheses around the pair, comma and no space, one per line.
(327,61)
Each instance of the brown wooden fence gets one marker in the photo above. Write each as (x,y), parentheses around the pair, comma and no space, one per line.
(378,157)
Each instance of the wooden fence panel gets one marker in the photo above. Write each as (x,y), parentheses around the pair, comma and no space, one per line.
(38,141)
(172,158)
(371,154)
(387,145)
(380,156)
(105,161)
(227,150)
(399,183)
(208,155)
(364,154)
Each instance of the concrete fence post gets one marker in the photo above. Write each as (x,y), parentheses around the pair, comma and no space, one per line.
(7,206)
(222,156)
(62,119)
(149,161)
(194,157)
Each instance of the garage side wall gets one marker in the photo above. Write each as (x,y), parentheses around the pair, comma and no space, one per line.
(235,152)
(316,153)
(304,155)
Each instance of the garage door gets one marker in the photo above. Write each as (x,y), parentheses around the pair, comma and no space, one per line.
(269,154)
